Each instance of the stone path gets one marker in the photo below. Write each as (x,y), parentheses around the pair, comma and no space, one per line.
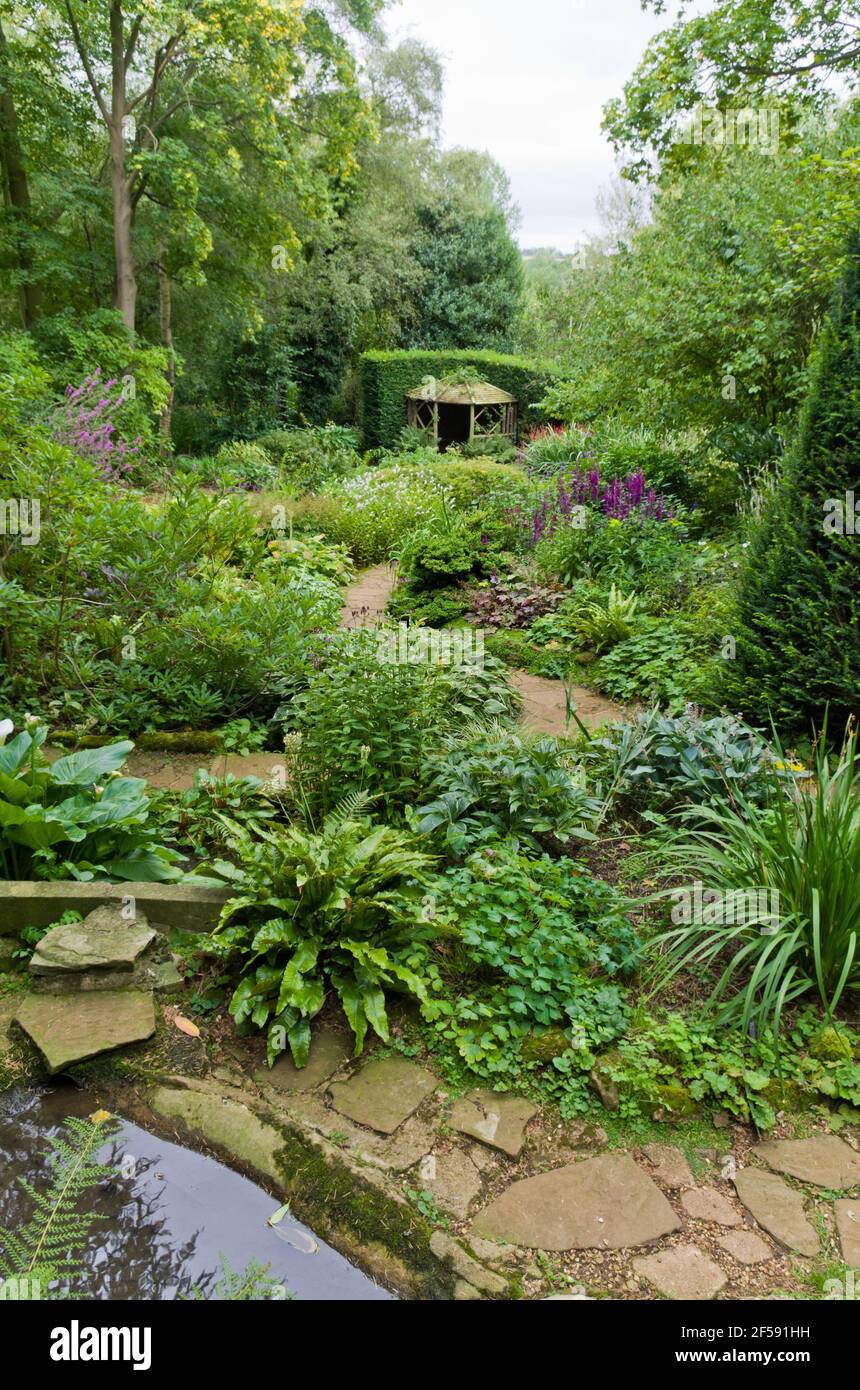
(638,1224)
(544,700)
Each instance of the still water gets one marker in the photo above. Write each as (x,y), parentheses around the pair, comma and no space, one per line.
(170,1217)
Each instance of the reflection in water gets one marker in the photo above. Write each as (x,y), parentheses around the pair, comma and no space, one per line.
(169,1218)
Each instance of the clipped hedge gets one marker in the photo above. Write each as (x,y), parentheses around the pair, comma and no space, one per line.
(385,377)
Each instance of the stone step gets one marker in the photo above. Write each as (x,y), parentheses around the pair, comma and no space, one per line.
(70,1028)
(104,941)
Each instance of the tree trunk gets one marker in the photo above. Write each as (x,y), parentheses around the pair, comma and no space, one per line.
(165,310)
(16,190)
(125,291)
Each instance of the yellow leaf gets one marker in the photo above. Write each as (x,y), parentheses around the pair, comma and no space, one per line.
(186,1026)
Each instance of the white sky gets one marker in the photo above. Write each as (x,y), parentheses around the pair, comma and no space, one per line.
(526,80)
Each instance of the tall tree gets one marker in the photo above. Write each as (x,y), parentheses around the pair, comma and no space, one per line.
(798,628)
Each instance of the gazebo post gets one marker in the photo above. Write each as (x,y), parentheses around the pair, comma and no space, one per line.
(436,423)
(471,421)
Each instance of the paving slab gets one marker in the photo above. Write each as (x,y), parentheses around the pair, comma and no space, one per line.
(384,1093)
(452,1180)
(328,1050)
(708,1204)
(745,1247)
(497,1119)
(778,1208)
(104,940)
(69,1028)
(671,1168)
(847,1213)
(606,1202)
(825,1160)
(684,1272)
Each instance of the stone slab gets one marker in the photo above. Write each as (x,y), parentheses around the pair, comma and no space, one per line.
(383,1094)
(684,1272)
(606,1202)
(847,1213)
(745,1247)
(707,1204)
(69,1028)
(187,906)
(825,1160)
(495,1118)
(671,1168)
(777,1208)
(328,1050)
(452,1180)
(104,940)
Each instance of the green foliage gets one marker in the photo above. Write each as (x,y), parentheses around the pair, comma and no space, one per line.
(77,817)
(602,622)
(198,817)
(367,722)
(657,762)
(646,555)
(798,612)
(494,782)
(749,1077)
(316,911)
(385,377)
(473,278)
(661,664)
(239,736)
(805,848)
(309,458)
(245,465)
(529,945)
(48,1249)
(376,510)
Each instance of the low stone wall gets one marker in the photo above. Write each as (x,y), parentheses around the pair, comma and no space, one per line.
(35,904)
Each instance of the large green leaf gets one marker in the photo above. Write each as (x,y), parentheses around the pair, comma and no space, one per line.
(13,755)
(90,765)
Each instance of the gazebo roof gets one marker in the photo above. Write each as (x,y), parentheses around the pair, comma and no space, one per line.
(460,393)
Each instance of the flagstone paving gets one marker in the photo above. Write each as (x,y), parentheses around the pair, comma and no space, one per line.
(683,1271)
(847,1214)
(778,1208)
(707,1204)
(601,1203)
(383,1093)
(745,1247)
(328,1050)
(825,1160)
(69,1028)
(494,1118)
(105,940)
(669,1166)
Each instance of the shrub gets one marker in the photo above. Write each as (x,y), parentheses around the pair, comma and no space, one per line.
(312,912)
(659,761)
(532,945)
(798,619)
(379,508)
(244,465)
(494,782)
(367,723)
(805,849)
(309,458)
(647,555)
(76,818)
(385,377)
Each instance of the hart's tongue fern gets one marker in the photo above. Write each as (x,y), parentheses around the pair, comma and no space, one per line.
(49,1247)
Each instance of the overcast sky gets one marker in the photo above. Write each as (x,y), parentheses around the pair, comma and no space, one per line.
(526,80)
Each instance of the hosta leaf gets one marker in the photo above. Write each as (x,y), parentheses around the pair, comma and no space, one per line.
(90,765)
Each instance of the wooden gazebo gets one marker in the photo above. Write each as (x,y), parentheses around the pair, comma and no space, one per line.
(458,412)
